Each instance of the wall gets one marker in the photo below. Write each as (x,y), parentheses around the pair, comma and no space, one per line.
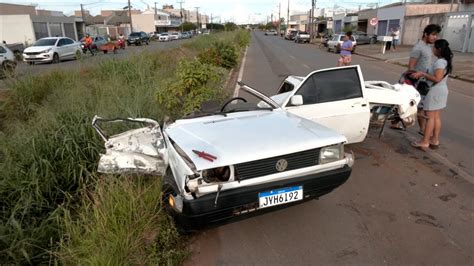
(16,28)
(414,10)
(387,16)
(12,9)
(143,22)
(364,17)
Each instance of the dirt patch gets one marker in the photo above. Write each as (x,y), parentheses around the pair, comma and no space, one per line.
(447,197)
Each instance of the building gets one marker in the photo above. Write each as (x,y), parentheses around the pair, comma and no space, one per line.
(19,24)
(152,20)
(299,21)
(363,21)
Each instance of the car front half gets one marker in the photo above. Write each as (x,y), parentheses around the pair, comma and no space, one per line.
(41,51)
(242,160)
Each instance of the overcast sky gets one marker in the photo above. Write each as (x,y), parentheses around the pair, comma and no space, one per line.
(239,11)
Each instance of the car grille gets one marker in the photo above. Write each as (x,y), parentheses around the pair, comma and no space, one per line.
(33,53)
(268,166)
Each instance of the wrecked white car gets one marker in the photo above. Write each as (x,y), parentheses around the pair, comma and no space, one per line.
(256,153)
(240,159)
(340,99)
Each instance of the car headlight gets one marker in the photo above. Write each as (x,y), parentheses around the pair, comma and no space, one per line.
(46,51)
(216,174)
(331,154)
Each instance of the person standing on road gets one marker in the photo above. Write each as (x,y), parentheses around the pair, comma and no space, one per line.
(420,60)
(346,50)
(437,96)
(395,36)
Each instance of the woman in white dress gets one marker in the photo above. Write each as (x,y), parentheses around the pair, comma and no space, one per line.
(437,97)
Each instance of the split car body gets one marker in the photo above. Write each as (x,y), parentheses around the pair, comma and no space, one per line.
(251,156)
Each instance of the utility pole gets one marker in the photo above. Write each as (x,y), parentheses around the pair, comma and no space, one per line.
(130,14)
(279,19)
(156,11)
(288,17)
(82,14)
(271,20)
(211,23)
(181,13)
(311,25)
(197,18)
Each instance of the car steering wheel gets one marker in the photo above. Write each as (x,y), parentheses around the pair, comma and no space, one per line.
(231,100)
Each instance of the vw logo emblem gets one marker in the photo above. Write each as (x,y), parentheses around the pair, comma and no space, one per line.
(281,165)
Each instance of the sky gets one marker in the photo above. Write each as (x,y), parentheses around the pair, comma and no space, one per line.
(238,11)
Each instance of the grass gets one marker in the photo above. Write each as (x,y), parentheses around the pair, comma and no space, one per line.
(55,208)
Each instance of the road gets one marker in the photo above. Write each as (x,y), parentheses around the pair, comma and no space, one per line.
(24,70)
(400,206)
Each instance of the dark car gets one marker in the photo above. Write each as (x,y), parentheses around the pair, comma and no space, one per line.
(364,38)
(138,38)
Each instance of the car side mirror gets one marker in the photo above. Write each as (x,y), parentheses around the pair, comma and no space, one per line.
(296,100)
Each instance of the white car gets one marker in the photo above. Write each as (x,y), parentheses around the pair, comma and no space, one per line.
(7,60)
(52,49)
(338,39)
(175,36)
(164,37)
(252,156)
(340,99)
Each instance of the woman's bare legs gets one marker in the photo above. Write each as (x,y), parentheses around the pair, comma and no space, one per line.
(437,128)
(429,127)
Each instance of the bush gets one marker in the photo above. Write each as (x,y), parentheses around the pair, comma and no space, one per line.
(221,54)
(121,222)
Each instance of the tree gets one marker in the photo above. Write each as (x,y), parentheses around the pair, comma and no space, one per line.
(188,26)
(215,26)
(230,26)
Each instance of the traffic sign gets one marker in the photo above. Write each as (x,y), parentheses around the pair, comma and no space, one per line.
(374,21)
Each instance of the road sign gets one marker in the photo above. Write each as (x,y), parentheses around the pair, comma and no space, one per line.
(374,21)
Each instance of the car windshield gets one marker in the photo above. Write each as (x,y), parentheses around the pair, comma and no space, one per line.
(174,33)
(135,34)
(303,32)
(45,42)
(164,34)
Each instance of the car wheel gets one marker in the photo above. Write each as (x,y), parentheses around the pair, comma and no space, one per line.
(128,43)
(372,41)
(329,49)
(147,42)
(55,58)
(78,55)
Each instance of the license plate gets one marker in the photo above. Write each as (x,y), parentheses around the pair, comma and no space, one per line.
(280,196)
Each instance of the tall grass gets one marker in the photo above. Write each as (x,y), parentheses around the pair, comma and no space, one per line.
(48,157)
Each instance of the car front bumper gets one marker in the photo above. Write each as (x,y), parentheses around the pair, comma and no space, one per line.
(38,57)
(243,202)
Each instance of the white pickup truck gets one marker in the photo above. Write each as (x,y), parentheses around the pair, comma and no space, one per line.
(340,99)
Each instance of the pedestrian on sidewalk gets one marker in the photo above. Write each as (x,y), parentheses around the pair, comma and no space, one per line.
(420,60)
(346,50)
(437,96)
(395,36)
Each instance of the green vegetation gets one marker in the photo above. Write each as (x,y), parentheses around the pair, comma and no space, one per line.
(55,207)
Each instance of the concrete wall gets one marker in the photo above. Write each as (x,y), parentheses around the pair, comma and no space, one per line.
(16,28)
(12,9)
(143,22)
(415,10)
(387,14)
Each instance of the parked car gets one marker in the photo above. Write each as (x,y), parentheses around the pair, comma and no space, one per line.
(17,49)
(271,32)
(343,101)
(52,49)
(98,41)
(175,36)
(338,40)
(302,37)
(290,34)
(364,38)
(280,154)
(164,37)
(7,61)
(138,38)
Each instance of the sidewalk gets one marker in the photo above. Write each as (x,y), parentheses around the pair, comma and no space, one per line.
(463,63)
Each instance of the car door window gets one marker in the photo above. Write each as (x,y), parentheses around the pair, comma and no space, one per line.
(285,87)
(331,85)
(67,41)
(60,43)
(2,50)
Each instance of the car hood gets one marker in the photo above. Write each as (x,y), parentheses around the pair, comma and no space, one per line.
(249,136)
(35,49)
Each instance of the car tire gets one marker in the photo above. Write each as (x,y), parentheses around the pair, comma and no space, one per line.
(147,42)
(372,41)
(128,43)
(336,51)
(329,49)
(55,58)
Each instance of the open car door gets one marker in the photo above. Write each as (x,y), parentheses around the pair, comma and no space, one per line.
(140,150)
(334,98)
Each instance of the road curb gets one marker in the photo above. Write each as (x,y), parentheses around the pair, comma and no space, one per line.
(400,64)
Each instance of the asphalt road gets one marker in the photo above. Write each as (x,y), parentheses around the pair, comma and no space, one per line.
(400,206)
(24,69)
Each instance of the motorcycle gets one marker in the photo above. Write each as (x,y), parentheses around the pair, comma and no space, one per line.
(85,47)
(121,43)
